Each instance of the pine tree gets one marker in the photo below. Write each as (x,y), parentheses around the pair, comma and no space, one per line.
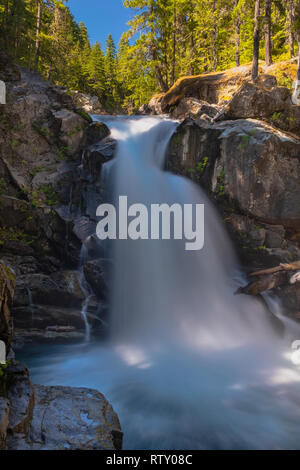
(110,64)
(256,38)
(96,69)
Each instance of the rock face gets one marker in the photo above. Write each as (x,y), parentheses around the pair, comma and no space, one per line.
(253,100)
(90,104)
(261,171)
(259,166)
(67,418)
(96,272)
(193,108)
(4,419)
(33,417)
(211,87)
(251,168)
(51,155)
(7,285)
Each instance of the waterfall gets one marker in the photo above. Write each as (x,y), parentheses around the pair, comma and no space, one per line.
(162,293)
(189,365)
(85,288)
(30,303)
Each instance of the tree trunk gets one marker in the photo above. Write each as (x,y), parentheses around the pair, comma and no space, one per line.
(237,39)
(38,30)
(256,38)
(174,43)
(291,14)
(214,37)
(268,42)
(153,50)
(298,68)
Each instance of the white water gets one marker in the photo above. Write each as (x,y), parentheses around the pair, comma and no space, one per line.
(85,288)
(189,365)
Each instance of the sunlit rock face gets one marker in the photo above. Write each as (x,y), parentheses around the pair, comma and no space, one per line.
(259,166)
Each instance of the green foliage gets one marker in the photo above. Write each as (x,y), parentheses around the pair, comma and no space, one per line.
(84,115)
(14,234)
(75,131)
(221,187)
(63,153)
(276,116)
(166,40)
(14,143)
(51,196)
(201,166)
(245,141)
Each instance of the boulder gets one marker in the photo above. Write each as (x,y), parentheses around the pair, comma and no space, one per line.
(154,105)
(216,87)
(288,119)
(96,155)
(90,104)
(253,100)
(21,397)
(96,132)
(72,130)
(193,108)
(67,418)
(144,109)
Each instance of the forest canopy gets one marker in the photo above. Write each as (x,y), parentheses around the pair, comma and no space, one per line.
(166,39)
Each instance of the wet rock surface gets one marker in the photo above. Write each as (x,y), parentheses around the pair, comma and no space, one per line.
(67,418)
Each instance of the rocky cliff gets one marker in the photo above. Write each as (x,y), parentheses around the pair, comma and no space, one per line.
(51,155)
(46,183)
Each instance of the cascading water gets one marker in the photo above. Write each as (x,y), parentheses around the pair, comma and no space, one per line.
(189,365)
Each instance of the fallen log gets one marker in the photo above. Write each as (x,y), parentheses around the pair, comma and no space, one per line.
(295,266)
(263,284)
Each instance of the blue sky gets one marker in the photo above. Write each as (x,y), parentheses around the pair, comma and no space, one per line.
(101,18)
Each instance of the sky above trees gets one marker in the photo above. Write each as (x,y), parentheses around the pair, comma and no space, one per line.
(102,17)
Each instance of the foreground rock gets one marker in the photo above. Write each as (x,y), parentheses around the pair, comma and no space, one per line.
(48,418)
(67,418)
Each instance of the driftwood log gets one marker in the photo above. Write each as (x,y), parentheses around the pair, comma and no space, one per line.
(270,278)
(295,266)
